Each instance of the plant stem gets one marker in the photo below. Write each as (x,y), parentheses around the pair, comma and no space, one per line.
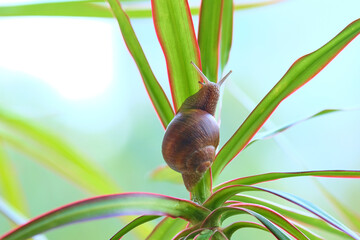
(202,190)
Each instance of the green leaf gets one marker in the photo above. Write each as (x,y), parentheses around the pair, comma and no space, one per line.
(166,174)
(14,216)
(110,206)
(311,235)
(133,224)
(256,5)
(349,215)
(222,195)
(232,228)
(226,32)
(298,216)
(189,232)
(68,9)
(156,93)
(209,36)
(11,213)
(90,9)
(9,184)
(280,175)
(302,71)
(167,228)
(263,214)
(175,30)
(272,227)
(50,150)
(283,129)
(313,209)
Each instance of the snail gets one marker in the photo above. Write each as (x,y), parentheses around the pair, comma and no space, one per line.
(191,138)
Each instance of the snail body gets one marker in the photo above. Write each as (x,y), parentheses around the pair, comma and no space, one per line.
(191,138)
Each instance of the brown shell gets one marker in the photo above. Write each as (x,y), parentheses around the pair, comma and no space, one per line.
(190,142)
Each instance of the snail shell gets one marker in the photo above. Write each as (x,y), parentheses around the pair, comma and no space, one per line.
(190,143)
(191,138)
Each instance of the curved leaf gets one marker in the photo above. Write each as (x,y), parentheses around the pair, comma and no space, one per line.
(12,214)
(313,209)
(272,227)
(156,93)
(347,213)
(299,217)
(68,9)
(226,32)
(110,206)
(50,150)
(188,232)
(283,129)
(89,9)
(133,224)
(256,4)
(15,217)
(209,36)
(255,179)
(302,71)
(232,228)
(175,31)
(222,195)
(263,214)
(167,228)
(9,184)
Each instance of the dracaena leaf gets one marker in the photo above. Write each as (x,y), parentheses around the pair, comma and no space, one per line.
(9,183)
(110,206)
(175,31)
(167,228)
(295,215)
(225,193)
(209,36)
(156,93)
(302,71)
(226,32)
(133,224)
(255,179)
(92,9)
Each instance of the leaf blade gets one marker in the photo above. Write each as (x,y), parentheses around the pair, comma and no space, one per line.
(210,21)
(133,224)
(106,206)
(255,179)
(9,183)
(175,31)
(295,215)
(168,227)
(157,96)
(302,71)
(88,9)
(226,32)
(51,150)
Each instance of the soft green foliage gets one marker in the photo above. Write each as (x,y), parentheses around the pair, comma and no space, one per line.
(9,185)
(91,8)
(204,217)
(175,30)
(154,89)
(133,224)
(302,71)
(209,36)
(111,205)
(52,151)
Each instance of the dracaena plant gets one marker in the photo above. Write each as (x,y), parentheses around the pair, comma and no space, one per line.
(203,215)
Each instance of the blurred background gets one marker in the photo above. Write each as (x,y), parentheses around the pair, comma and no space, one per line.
(74,77)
